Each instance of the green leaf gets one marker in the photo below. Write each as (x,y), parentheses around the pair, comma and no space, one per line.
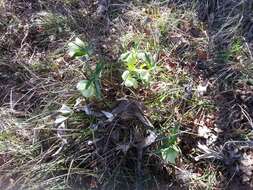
(170,154)
(125,74)
(98,70)
(129,81)
(131,62)
(173,135)
(170,150)
(147,58)
(98,89)
(141,56)
(144,75)
(86,88)
(89,82)
(250,82)
(78,48)
(130,59)
(124,56)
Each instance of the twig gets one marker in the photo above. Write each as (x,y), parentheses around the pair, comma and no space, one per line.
(246,114)
(248,48)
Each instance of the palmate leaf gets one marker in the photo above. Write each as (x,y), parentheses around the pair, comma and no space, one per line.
(139,65)
(169,151)
(130,59)
(87,89)
(173,136)
(144,75)
(124,56)
(78,48)
(129,81)
(147,58)
(170,154)
(125,75)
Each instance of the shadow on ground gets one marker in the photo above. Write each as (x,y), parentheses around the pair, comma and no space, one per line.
(227,21)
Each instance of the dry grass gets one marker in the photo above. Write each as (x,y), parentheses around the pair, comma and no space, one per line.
(199,98)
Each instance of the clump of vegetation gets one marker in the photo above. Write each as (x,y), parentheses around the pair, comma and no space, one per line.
(140,66)
(90,87)
(169,148)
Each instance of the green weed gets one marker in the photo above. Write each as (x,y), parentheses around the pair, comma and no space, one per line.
(140,65)
(169,149)
(90,87)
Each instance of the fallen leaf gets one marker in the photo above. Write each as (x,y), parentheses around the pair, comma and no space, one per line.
(65,109)
(59,119)
(109,115)
(202,89)
(203,131)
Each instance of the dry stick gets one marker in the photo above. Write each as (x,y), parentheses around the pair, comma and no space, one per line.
(69,170)
(11,100)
